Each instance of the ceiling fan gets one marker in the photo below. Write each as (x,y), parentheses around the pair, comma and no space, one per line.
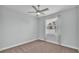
(37,10)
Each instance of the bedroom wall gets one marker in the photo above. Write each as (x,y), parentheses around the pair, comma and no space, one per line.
(16,27)
(77,11)
(1,30)
(68,27)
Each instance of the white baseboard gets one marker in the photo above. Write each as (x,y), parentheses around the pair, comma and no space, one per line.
(69,46)
(78,50)
(37,39)
(1,49)
(63,44)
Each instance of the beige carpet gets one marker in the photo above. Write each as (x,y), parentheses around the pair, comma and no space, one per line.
(40,46)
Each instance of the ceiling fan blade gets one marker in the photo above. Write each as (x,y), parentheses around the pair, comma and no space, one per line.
(30,12)
(43,13)
(44,10)
(34,8)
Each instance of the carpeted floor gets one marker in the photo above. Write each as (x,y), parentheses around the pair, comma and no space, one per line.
(40,46)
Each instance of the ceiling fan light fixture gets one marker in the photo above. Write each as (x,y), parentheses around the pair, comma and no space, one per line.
(38,13)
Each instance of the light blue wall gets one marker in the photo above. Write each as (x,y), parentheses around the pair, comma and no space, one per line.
(15,27)
(77,11)
(69,34)
(68,27)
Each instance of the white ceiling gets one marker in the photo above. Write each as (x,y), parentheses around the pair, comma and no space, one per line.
(26,8)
